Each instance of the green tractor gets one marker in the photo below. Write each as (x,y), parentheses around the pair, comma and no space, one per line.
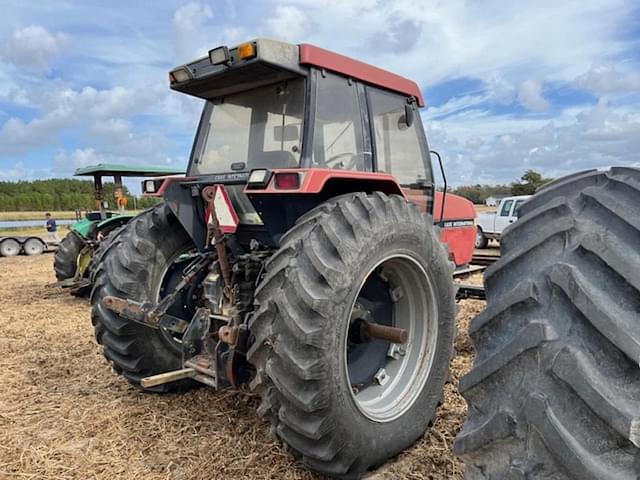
(73,257)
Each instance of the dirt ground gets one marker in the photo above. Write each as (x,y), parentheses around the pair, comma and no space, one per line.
(65,415)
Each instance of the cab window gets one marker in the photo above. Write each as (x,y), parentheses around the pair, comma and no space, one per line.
(337,140)
(400,149)
(516,209)
(506,208)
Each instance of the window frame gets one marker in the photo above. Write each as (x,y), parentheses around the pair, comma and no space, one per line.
(516,207)
(309,128)
(421,134)
(511,202)
(203,126)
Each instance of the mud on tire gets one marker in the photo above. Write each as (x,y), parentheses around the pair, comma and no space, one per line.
(302,312)
(131,266)
(555,387)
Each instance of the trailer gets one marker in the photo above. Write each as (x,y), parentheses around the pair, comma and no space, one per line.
(28,245)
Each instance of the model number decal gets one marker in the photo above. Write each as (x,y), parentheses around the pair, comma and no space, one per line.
(457,223)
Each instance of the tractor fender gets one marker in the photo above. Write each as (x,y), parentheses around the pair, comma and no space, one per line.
(328,183)
(279,208)
(458,226)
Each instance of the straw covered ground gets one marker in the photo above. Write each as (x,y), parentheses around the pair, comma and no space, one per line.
(65,415)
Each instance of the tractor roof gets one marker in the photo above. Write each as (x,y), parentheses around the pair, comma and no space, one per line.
(105,169)
(226,71)
(321,58)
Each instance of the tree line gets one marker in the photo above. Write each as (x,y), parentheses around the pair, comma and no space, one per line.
(529,182)
(61,194)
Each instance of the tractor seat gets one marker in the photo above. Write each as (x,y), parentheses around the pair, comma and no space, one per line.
(274,159)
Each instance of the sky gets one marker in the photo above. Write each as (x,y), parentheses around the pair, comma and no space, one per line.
(509,86)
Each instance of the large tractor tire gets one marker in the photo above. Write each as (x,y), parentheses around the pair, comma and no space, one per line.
(141,263)
(65,260)
(555,388)
(339,400)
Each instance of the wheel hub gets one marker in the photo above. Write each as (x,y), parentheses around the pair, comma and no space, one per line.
(386,377)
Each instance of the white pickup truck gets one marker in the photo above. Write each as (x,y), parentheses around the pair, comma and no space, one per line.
(491,225)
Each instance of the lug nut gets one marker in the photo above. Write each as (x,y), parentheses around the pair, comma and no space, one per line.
(381,377)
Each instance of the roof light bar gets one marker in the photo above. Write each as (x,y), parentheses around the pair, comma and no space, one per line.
(219,56)
(179,75)
(247,51)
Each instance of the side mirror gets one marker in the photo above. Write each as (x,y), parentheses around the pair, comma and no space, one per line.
(408,114)
(286,133)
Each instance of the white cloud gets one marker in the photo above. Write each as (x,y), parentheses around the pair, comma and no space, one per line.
(604,79)
(190,23)
(478,147)
(530,96)
(12,174)
(32,47)
(289,23)
(68,162)
(98,110)
(442,40)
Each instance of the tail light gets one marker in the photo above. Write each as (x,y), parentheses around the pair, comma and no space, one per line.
(287,180)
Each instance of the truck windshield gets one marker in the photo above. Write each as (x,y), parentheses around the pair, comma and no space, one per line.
(259,128)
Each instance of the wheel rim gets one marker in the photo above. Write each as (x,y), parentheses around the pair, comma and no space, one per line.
(400,371)
(185,305)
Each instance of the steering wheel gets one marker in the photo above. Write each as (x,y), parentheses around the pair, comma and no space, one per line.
(336,159)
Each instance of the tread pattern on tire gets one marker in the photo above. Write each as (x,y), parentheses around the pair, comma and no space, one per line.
(555,387)
(295,307)
(125,264)
(66,257)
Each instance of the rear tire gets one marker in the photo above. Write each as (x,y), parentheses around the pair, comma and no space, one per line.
(132,266)
(303,325)
(65,260)
(9,247)
(555,388)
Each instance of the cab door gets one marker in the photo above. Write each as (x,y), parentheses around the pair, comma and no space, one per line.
(399,148)
(504,216)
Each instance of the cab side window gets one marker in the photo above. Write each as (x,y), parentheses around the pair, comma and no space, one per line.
(337,139)
(400,149)
(506,208)
(516,209)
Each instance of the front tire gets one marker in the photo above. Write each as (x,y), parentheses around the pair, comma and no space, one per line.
(134,265)
(356,253)
(481,239)
(555,388)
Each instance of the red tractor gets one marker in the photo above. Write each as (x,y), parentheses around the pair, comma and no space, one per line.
(298,256)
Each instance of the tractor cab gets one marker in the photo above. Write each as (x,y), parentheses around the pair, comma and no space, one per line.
(297,122)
